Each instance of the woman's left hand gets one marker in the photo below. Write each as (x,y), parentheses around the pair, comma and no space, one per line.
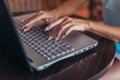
(63,26)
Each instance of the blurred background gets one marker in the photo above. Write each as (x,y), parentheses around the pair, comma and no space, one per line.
(90,10)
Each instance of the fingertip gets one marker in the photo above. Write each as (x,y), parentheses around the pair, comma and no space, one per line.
(26,24)
(63,36)
(25,30)
(47,28)
(56,39)
(47,20)
(23,27)
(49,38)
(22,20)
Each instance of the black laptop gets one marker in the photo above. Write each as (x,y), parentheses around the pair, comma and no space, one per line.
(32,49)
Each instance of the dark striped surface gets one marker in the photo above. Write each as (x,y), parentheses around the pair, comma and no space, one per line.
(75,68)
(24,5)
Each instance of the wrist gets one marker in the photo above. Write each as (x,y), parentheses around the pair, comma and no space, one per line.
(88,26)
(92,26)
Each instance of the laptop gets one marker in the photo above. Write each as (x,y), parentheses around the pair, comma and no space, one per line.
(32,49)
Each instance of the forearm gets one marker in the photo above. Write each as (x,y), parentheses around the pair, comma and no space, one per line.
(69,7)
(109,32)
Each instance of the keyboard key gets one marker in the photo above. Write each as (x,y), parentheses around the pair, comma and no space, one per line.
(51,55)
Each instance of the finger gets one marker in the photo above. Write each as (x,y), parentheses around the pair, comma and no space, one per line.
(32,24)
(63,28)
(43,16)
(39,23)
(27,27)
(55,30)
(29,18)
(54,34)
(54,24)
(32,16)
(41,12)
(65,21)
(67,31)
(50,36)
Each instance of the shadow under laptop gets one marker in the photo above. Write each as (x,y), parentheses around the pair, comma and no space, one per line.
(12,68)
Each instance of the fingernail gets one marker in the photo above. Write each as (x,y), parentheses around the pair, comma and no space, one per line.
(23,27)
(25,30)
(63,37)
(22,20)
(50,38)
(47,20)
(26,24)
(56,39)
(46,29)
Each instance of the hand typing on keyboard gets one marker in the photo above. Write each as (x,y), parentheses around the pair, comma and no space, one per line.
(37,40)
(40,18)
(66,25)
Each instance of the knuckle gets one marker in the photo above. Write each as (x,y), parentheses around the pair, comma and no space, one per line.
(68,18)
(61,28)
(32,22)
(41,12)
(65,18)
(65,33)
(70,28)
(72,22)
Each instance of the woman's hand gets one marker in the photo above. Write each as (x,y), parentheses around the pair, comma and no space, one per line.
(63,26)
(40,18)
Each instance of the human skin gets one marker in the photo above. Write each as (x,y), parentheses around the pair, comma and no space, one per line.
(61,25)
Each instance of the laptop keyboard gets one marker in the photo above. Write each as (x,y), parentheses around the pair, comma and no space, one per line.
(37,39)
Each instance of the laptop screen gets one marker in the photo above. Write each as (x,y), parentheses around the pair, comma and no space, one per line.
(11,42)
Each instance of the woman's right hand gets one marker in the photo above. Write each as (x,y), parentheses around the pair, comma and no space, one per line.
(40,18)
